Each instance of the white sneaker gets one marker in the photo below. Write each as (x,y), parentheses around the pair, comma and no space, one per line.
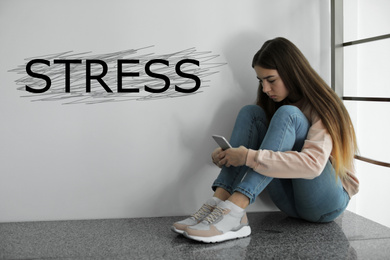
(201,214)
(221,225)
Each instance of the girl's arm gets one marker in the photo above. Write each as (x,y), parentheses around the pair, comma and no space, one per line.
(307,164)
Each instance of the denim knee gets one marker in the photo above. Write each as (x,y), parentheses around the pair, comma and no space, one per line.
(287,110)
(252,110)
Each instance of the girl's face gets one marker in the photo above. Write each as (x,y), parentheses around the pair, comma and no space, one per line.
(272,84)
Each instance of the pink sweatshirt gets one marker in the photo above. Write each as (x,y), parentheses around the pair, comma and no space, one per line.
(307,164)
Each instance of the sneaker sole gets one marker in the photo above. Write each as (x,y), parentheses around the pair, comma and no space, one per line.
(243,232)
(177,230)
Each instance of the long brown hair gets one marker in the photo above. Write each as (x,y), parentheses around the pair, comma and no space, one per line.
(303,82)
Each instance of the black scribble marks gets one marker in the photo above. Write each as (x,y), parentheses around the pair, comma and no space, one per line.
(78,94)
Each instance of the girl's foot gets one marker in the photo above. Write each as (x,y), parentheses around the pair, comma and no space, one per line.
(200,215)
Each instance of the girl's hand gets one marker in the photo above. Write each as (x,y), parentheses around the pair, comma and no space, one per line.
(215,156)
(233,156)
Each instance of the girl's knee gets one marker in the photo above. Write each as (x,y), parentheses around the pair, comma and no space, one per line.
(252,110)
(287,110)
(290,113)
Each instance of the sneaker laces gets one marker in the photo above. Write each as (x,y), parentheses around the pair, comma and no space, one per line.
(205,210)
(216,214)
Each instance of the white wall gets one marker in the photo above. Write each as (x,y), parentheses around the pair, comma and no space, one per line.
(365,68)
(133,158)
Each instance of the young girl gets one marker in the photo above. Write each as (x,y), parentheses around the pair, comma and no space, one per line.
(298,142)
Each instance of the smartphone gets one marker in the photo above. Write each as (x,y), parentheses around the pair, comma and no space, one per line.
(222,142)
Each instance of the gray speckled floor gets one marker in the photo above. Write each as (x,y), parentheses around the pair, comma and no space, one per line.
(273,236)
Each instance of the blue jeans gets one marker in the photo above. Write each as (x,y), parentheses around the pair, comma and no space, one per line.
(321,199)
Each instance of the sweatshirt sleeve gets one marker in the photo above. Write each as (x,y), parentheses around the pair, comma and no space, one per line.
(307,164)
